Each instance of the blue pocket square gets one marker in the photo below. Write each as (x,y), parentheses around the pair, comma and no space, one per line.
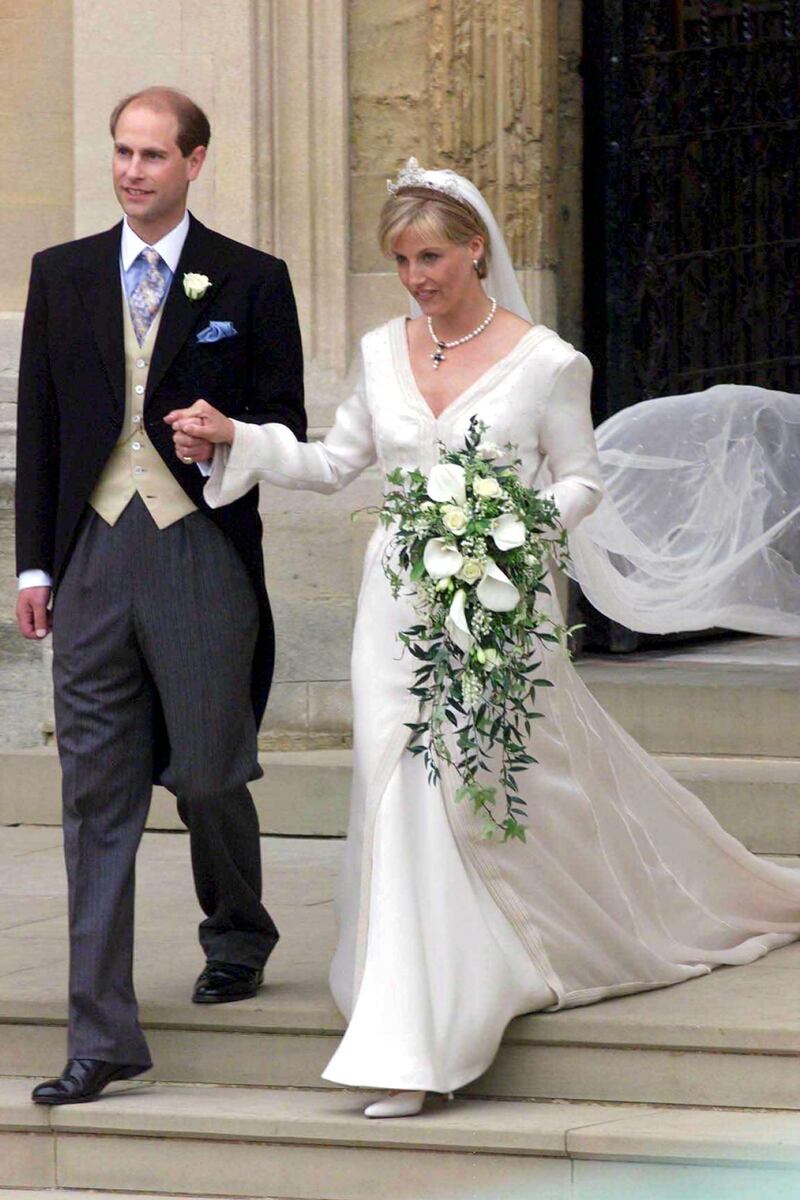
(215,331)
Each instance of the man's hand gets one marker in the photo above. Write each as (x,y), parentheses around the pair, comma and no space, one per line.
(190,449)
(34,618)
(196,430)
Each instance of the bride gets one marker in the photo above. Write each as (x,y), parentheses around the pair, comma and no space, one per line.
(626,882)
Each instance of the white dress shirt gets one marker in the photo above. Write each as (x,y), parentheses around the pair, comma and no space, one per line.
(169,247)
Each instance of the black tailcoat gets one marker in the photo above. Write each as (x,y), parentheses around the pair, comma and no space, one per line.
(72,388)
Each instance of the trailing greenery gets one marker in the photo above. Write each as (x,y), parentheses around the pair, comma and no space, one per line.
(473,542)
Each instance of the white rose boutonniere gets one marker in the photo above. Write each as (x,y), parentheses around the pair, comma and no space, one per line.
(195,286)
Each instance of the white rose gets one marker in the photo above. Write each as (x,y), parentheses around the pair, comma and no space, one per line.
(496,591)
(508,532)
(195,285)
(471,571)
(492,658)
(454,519)
(447,484)
(488,487)
(456,623)
(488,451)
(441,561)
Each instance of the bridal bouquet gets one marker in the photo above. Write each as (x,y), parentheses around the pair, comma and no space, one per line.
(472,540)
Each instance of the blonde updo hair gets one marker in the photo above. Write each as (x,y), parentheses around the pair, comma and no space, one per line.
(433,215)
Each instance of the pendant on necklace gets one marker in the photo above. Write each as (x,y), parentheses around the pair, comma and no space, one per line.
(438,355)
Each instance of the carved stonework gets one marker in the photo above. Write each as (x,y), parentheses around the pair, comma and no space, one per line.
(493,87)
(463,90)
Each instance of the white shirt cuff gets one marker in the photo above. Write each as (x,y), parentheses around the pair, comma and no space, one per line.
(204,468)
(34,578)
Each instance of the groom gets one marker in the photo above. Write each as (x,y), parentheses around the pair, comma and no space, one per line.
(162,636)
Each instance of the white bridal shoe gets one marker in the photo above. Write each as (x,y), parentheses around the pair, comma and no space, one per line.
(398,1104)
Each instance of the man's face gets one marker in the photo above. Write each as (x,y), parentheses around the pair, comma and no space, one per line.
(151,176)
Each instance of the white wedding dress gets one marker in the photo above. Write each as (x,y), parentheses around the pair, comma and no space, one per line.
(626,882)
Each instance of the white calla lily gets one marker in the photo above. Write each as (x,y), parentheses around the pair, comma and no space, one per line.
(447,483)
(496,591)
(441,560)
(508,532)
(456,623)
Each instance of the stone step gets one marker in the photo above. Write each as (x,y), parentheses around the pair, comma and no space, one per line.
(84,1194)
(739,698)
(755,799)
(301,794)
(305,793)
(731,1038)
(304,1145)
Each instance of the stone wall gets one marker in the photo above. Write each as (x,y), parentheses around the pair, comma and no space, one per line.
(203,47)
(36,127)
(473,85)
(388,65)
(313,103)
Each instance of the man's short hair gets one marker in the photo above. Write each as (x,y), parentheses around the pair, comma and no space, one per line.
(193,127)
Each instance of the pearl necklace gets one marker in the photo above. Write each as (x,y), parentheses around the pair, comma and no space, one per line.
(438,355)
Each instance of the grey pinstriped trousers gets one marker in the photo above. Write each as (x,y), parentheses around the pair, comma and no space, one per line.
(141,615)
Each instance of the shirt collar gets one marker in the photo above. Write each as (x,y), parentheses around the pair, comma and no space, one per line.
(169,247)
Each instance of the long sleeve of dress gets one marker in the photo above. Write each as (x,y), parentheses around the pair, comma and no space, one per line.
(271,453)
(567,438)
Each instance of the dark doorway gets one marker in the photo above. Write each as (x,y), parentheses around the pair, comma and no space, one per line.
(692,204)
(692,196)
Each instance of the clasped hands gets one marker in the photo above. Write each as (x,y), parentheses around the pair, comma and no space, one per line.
(196,430)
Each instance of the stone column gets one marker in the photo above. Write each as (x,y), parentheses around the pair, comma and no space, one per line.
(302,163)
(312,549)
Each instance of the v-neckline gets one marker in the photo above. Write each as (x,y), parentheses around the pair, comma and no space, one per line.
(400,338)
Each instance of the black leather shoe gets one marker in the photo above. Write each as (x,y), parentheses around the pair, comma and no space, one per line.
(221,982)
(83,1079)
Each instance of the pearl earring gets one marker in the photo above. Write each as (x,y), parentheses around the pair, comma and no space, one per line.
(476,264)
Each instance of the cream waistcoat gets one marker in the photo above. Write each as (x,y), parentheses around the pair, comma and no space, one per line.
(134,464)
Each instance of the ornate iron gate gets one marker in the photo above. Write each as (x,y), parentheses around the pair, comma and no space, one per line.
(692,210)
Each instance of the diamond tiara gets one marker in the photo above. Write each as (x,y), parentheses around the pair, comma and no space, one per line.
(412,175)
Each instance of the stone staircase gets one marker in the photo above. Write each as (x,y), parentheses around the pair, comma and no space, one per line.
(690,1092)
(723,718)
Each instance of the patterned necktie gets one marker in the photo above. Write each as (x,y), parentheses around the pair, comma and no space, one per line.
(145,299)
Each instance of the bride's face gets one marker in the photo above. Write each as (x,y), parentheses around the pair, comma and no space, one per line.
(438,274)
